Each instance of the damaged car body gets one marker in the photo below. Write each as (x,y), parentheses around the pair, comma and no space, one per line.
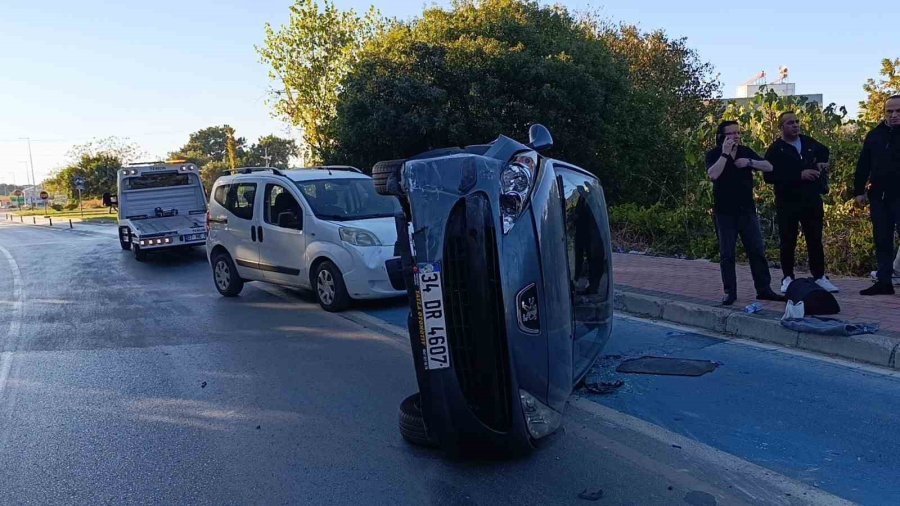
(507,260)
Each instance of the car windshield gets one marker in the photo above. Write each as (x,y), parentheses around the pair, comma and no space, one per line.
(157,180)
(347,199)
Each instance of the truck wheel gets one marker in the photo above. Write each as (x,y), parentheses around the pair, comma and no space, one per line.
(331,292)
(126,245)
(225,275)
(139,254)
(412,424)
(386,176)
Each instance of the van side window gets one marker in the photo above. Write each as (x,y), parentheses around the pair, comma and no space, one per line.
(240,200)
(281,208)
(220,195)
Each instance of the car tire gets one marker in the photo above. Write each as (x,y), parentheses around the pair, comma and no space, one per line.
(225,275)
(386,175)
(412,423)
(139,254)
(329,288)
(125,245)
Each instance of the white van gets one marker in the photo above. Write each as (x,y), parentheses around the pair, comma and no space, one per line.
(323,228)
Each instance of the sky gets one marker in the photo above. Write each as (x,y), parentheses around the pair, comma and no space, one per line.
(153,72)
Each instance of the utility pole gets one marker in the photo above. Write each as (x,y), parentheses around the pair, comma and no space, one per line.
(266,157)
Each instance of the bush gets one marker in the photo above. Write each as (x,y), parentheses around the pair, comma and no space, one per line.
(56,207)
(71,206)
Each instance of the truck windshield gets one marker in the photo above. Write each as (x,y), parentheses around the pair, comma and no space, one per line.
(346,199)
(162,180)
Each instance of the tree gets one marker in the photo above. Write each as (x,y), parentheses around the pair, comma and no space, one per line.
(120,148)
(209,145)
(212,171)
(99,173)
(308,59)
(872,110)
(230,149)
(279,152)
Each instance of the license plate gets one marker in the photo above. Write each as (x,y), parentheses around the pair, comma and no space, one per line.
(432,322)
(194,237)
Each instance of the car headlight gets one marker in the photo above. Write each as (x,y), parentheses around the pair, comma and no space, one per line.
(516,183)
(539,418)
(359,237)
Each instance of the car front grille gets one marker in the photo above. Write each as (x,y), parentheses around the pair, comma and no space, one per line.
(475,313)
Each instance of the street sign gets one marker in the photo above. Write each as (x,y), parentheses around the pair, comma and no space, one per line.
(44,195)
(79,183)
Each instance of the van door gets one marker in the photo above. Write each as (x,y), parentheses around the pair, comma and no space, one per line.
(241,228)
(282,243)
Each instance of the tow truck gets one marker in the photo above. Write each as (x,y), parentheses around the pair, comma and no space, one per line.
(162,205)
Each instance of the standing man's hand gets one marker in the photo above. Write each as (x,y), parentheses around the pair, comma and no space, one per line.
(822,167)
(861,200)
(741,162)
(728,147)
(809,175)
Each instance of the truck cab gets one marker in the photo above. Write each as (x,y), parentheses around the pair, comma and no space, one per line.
(162,205)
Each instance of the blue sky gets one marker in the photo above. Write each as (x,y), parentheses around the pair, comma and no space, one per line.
(156,71)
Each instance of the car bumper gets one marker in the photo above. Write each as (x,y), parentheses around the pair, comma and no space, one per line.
(368,276)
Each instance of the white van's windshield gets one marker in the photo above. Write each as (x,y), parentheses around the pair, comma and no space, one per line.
(347,199)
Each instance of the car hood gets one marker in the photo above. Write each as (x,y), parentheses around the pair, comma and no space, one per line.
(385,229)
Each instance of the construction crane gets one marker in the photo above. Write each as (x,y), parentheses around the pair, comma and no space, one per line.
(782,75)
(757,79)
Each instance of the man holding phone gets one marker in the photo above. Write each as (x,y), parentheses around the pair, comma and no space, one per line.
(877,181)
(800,165)
(730,166)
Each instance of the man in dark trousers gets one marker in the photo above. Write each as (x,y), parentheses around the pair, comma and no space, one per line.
(877,182)
(730,166)
(799,174)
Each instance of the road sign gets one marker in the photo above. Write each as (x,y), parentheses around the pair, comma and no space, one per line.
(79,183)
(44,195)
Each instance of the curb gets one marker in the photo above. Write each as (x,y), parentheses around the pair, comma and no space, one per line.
(876,349)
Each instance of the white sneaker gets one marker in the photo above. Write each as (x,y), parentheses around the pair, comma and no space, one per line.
(827,285)
(895,279)
(785,283)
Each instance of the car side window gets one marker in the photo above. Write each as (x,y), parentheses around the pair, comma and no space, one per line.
(281,208)
(241,199)
(220,194)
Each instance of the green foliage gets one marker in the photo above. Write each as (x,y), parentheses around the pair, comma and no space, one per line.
(212,171)
(308,59)
(209,145)
(872,110)
(56,207)
(279,150)
(98,171)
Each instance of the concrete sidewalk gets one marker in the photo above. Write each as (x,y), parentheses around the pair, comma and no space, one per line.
(690,291)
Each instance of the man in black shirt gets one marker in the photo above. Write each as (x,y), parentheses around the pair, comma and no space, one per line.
(877,182)
(730,166)
(799,174)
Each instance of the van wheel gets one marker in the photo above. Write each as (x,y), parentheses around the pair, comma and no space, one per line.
(225,275)
(139,254)
(412,423)
(328,284)
(126,245)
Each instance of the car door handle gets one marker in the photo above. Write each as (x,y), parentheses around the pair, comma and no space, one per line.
(253,234)
(260,234)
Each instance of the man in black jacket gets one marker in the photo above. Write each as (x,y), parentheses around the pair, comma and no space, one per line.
(730,166)
(800,164)
(877,181)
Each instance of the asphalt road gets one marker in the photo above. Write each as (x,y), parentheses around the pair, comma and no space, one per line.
(125,382)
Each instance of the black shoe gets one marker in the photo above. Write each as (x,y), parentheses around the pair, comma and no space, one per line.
(729,299)
(878,289)
(770,295)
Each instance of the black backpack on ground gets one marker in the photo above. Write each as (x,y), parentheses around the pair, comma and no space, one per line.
(816,300)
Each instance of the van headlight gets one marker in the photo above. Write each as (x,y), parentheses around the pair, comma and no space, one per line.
(358,237)
(540,419)
(516,183)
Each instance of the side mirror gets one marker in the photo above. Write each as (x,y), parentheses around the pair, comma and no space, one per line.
(539,137)
(290,219)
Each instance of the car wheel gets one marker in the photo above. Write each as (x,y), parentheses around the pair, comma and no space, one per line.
(225,275)
(412,423)
(139,254)
(386,176)
(329,287)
